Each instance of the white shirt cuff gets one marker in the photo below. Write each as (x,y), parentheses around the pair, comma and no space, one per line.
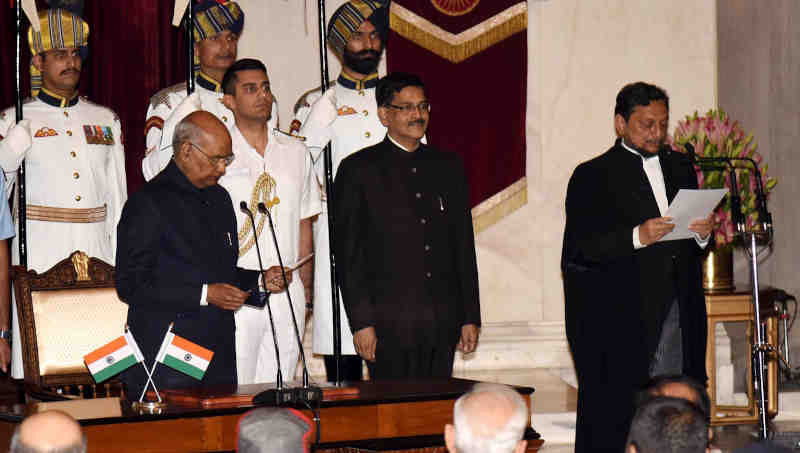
(203,301)
(636,243)
(701,242)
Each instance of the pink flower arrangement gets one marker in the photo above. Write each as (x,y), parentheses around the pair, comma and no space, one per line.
(715,135)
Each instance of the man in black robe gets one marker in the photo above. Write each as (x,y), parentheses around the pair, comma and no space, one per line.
(177,249)
(405,245)
(634,306)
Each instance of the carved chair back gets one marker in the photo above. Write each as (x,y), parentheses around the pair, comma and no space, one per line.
(65,313)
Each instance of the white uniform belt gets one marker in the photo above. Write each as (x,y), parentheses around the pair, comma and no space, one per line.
(66,215)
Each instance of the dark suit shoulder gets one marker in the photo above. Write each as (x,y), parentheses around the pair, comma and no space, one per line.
(362,159)
(607,158)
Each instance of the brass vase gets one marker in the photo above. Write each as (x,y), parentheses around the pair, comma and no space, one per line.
(718,270)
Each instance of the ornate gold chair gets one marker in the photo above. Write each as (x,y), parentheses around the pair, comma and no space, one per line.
(65,313)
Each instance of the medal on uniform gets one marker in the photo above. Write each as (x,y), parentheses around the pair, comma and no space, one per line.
(98,135)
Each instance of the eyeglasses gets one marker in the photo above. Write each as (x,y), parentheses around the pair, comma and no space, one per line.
(215,160)
(422,107)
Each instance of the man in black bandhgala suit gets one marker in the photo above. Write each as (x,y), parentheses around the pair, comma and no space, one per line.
(177,249)
(634,306)
(405,244)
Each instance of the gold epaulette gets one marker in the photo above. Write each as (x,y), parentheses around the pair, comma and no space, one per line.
(162,96)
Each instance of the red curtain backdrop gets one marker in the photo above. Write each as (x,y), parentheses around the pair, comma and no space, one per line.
(133,52)
(478,104)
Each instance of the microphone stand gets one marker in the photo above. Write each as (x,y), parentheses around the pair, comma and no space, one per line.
(190,48)
(759,348)
(328,165)
(279,395)
(309,393)
(22,214)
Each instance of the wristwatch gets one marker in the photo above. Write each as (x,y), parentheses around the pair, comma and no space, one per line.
(6,335)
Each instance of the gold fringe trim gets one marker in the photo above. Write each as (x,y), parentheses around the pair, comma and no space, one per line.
(455,48)
(500,205)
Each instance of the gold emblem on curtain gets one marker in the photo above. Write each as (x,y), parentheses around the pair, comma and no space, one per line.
(455,7)
(263,191)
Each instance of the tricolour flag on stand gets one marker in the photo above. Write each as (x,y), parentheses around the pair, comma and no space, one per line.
(183,355)
(108,360)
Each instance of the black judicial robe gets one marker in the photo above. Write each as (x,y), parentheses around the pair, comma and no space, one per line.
(172,238)
(616,297)
(405,246)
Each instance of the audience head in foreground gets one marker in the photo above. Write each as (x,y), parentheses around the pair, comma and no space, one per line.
(668,425)
(677,386)
(48,432)
(275,430)
(490,418)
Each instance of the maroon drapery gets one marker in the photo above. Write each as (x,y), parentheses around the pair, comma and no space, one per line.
(133,52)
(478,103)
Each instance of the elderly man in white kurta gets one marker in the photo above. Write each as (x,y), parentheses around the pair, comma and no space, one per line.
(346,117)
(74,158)
(274,169)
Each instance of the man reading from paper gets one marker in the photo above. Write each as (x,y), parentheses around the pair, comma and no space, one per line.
(634,305)
(176,257)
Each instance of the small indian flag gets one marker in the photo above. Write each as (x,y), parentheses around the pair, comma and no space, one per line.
(108,360)
(183,355)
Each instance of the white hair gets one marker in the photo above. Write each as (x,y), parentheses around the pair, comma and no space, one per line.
(487,438)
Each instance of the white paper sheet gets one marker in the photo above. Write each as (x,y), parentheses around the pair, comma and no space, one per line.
(690,205)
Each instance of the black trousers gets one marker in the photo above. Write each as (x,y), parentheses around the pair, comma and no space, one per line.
(418,361)
(351,370)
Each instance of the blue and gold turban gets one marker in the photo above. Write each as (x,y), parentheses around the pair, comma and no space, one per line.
(212,17)
(350,16)
(60,29)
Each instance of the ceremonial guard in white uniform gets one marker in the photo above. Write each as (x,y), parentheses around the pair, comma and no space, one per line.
(346,116)
(217,28)
(74,157)
(275,169)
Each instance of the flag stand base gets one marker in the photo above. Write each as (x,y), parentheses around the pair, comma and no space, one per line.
(148,407)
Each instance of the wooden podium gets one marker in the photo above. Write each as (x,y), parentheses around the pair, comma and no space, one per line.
(738,306)
(383,416)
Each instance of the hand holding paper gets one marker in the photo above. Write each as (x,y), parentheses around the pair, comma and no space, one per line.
(688,206)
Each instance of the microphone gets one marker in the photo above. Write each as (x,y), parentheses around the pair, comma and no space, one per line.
(761,198)
(307,393)
(278,395)
(735,199)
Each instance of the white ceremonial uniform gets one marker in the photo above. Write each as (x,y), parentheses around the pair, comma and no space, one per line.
(76,162)
(351,125)
(283,180)
(160,122)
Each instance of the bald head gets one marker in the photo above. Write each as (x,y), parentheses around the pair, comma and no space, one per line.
(48,432)
(200,145)
(490,418)
(199,126)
